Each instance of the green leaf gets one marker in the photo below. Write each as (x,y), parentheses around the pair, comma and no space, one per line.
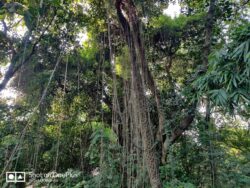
(246,51)
(28,20)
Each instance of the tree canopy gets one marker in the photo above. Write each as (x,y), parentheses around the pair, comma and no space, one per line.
(120,93)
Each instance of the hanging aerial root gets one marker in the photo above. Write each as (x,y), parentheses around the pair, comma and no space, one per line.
(23,133)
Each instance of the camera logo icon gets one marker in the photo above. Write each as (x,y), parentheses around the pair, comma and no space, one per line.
(15,177)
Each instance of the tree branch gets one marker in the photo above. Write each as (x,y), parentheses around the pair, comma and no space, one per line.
(184,125)
(12,68)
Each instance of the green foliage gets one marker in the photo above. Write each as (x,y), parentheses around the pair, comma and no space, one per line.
(235,143)
(104,154)
(122,66)
(178,184)
(73,122)
(227,80)
(167,21)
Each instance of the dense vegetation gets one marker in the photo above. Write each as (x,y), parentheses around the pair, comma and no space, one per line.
(124,95)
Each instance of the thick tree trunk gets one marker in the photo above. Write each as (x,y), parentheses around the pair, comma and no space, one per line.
(129,20)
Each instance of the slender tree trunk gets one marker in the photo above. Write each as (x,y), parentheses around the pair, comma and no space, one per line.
(209,25)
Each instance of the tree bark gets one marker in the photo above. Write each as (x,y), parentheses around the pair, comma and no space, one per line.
(209,25)
(128,18)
